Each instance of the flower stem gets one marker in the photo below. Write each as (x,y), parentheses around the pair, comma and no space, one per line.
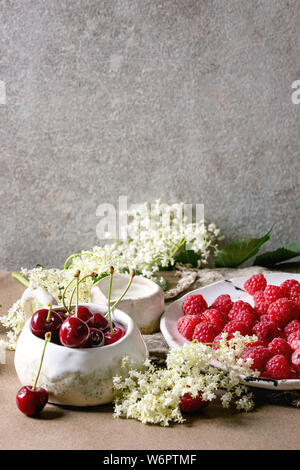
(111,273)
(20,278)
(47,339)
(74,255)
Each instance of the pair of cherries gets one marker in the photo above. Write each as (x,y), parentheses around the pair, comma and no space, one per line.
(84,330)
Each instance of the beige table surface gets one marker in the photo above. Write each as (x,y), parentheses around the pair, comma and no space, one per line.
(269,427)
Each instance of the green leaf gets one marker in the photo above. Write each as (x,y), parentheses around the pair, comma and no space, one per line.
(239,251)
(278,256)
(160,280)
(101,276)
(187,257)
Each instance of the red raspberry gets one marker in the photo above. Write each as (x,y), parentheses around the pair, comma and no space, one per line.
(287,285)
(295,294)
(194,305)
(215,317)
(280,346)
(265,331)
(252,345)
(217,340)
(295,311)
(245,317)
(278,367)
(294,340)
(234,326)
(222,303)
(255,283)
(205,332)
(260,356)
(188,404)
(281,312)
(294,374)
(264,318)
(272,293)
(260,303)
(240,306)
(295,360)
(186,325)
(291,327)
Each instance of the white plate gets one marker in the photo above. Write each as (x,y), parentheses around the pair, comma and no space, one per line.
(168,323)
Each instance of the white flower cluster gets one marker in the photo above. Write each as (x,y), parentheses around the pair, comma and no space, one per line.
(154,237)
(153,394)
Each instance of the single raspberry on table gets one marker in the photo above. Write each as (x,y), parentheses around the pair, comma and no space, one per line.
(205,332)
(215,317)
(234,326)
(278,367)
(223,303)
(255,283)
(295,360)
(273,293)
(265,331)
(186,325)
(287,285)
(260,356)
(261,305)
(189,404)
(243,316)
(240,306)
(295,294)
(194,305)
(280,346)
(281,312)
(294,340)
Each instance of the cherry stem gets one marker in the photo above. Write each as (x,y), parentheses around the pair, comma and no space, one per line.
(111,273)
(47,339)
(64,296)
(132,274)
(49,314)
(74,290)
(77,274)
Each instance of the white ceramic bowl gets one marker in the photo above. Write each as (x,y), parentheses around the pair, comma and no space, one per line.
(144,301)
(233,287)
(78,376)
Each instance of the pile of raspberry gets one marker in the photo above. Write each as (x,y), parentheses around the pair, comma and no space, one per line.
(274,319)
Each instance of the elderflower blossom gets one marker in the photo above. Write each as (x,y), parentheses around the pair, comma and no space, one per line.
(153,239)
(152,395)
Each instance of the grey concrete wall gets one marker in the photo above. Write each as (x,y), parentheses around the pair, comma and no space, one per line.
(180,99)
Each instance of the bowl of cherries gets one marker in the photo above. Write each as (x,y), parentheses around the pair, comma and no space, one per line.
(86,345)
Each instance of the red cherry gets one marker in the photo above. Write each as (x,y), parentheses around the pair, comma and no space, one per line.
(96,338)
(117,334)
(73,333)
(98,321)
(40,326)
(31,402)
(83,313)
